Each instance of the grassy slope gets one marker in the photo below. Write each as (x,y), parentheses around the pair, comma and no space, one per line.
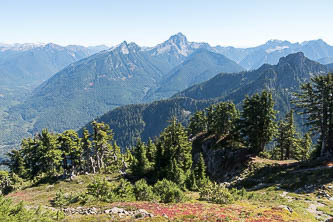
(283,183)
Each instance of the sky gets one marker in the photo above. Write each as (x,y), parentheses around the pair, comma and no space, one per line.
(240,23)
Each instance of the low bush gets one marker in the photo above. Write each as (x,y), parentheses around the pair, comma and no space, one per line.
(168,191)
(6,185)
(62,199)
(144,192)
(18,212)
(111,191)
(215,193)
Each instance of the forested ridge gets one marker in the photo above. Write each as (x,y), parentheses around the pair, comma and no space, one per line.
(282,80)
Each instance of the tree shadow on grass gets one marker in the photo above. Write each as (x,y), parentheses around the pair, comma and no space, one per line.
(299,177)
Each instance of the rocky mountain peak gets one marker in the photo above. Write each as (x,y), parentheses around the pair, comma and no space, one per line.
(178,38)
(294,59)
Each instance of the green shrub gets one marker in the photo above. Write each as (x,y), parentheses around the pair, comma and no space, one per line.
(99,188)
(241,194)
(111,191)
(62,199)
(168,191)
(6,183)
(18,212)
(215,193)
(144,192)
(124,190)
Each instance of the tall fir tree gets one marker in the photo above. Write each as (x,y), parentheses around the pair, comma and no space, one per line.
(87,151)
(288,142)
(173,156)
(70,145)
(315,101)
(16,163)
(141,165)
(101,143)
(200,172)
(198,123)
(257,123)
(224,118)
(51,159)
(306,144)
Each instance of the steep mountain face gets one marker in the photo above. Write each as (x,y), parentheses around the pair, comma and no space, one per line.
(282,80)
(29,64)
(198,67)
(90,87)
(273,50)
(289,73)
(222,83)
(172,52)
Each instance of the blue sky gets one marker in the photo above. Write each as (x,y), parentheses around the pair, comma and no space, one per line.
(239,23)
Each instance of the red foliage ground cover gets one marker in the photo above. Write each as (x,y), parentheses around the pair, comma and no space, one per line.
(206,212)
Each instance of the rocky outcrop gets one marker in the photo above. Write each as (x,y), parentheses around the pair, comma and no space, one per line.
(115,211)
(223,163)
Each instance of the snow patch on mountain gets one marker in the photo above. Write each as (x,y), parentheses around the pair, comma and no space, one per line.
(276,48)
(20,47)
(124,49)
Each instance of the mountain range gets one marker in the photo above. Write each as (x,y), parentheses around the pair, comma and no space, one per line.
(78,84)
(125,74)
(30,64)
(273,50)
(148,120)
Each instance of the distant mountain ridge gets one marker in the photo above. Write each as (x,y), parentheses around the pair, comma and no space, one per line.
(30,64)
(124,74)
(147,121)
(273,50)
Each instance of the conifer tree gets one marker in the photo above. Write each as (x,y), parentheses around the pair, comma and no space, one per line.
(306,144)
(114,158)
(32,155)
(151,151)
(16,163)
(224,118)
(198,123)
(70,145)
(288,142)
(173,156)
(87,152)
(257,123)
(200,170)
(128,158)
(141,165)
(315,100)
(192,182)
(51,159)
(101,143)
(210,112)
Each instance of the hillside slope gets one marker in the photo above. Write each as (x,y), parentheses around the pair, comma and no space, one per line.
(200,66)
